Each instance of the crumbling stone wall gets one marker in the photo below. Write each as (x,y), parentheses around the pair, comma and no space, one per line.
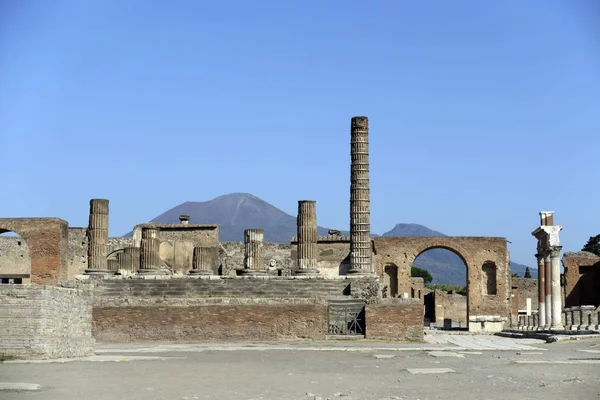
(44,322)
(78,251)
(14,256)
(582,278)
(527,288)
(475,252)
(277,257)
(333,255)
(47,239)
(449,305)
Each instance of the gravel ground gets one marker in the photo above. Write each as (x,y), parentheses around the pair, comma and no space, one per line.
(309,371)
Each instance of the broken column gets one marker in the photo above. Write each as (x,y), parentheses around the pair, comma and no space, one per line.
(360,215)
(129,260)
(202,261)
(98,238)
(254,253)
(556,292)
(586,318)
(149,252)
(306,259)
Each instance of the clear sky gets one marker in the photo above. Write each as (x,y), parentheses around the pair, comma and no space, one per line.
(482,113)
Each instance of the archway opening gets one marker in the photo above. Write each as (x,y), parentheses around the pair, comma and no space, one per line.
(443,274)
(15,258)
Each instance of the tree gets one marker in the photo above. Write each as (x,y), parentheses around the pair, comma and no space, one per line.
(527,273)
(416,272)
(515,275)
(593,245)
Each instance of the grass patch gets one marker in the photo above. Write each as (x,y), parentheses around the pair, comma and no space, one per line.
(6,357)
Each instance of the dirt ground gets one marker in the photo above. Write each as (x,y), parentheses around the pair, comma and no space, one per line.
(511,369)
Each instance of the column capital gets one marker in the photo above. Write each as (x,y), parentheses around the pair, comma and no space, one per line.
(555,251)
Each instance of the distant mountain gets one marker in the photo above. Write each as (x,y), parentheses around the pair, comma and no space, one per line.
(238,211)
(235,212)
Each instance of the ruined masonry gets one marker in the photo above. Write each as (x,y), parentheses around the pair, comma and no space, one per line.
(202,261)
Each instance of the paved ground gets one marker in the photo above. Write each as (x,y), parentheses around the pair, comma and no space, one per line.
(447,367)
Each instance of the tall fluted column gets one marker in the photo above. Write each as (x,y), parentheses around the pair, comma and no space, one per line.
(254,253)
(360,214)
(556,293)
(149,252)
(306,259)
(541,292)
(98,238)
(202,261)
(548,289)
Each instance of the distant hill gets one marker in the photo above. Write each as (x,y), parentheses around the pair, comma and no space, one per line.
(238,211)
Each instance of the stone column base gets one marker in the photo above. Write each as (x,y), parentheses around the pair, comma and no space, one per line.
(152,272)
(306,272)
(199,272)
(251,272)
(98,272)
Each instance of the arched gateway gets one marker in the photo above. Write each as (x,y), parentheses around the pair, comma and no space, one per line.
(488,271)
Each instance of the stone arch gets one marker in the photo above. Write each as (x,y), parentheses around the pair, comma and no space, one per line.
(463,255)
(47,239)
(488,313)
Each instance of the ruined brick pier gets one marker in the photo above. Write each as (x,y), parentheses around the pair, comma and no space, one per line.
(360,214)
(98,238)
(254,252)
(307,252)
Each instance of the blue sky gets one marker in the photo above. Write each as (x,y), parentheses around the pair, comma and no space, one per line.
(481,113)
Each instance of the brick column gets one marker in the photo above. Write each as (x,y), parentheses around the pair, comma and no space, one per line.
(202,261)
(254,252)
(149,252)
(98,238)
(306,259)
(360,199)
(556,292)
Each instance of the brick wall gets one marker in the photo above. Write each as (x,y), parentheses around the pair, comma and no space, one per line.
(582,278)
(395,319)
(248,322)
(44,322)
(14,256)
(526,288)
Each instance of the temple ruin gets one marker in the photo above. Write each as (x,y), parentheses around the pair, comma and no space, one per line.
(180,282)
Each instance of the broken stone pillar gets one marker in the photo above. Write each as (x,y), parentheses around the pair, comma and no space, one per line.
(568,313)
(548,289)
(541,292)
(184,219)
(98,238)
(254,252)
(556,292)
(595,320)
(112,265)
(534,319)
(149,252)
(307,253)
(202,261)
(575,319)
(360,213)
(129,260)
(586,318)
